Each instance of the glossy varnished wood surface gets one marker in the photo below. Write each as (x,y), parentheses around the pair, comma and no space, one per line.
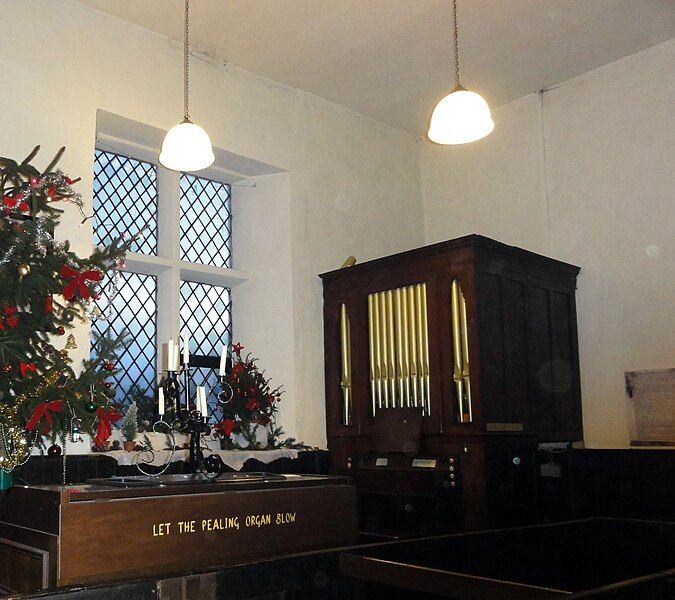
(103,540)
(97,533)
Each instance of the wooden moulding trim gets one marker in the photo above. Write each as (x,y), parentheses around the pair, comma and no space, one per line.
(468,241)
(435,581)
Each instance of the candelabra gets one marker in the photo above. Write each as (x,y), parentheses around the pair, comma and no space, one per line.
(193,422)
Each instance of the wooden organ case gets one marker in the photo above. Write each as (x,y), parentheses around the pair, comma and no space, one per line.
(477,338)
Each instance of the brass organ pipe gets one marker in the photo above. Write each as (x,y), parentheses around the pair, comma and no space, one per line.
(413,343)
(384,362)
(398,315)
(371,351)
(406,346)
(457,349)
(345,382)
(349,369)
(465,354)
(425,346)
(420,344)
(378,353)
(391,343)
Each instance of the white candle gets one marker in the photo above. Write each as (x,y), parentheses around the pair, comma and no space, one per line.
(176,357)
(201,400)
(186,349)
(223,361)
(170,356)
(161,401)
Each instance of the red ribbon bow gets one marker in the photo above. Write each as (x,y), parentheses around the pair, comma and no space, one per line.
(105,420)
(78,282)
(44,409)
(25,367)
(11,318)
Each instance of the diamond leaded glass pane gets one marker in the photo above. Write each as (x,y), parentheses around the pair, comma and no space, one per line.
(205,221)
(206,313)
(133,309)
(125,200)
(208,379)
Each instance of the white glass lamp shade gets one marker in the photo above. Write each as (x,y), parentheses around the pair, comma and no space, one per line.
(461,117)
(186,147)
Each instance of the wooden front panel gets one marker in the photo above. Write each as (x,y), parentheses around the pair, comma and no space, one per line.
(554,397)
(22,569)
(103,540)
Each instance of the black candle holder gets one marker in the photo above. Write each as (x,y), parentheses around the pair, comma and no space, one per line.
(192,421)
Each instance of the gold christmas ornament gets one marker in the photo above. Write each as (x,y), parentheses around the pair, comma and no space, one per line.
(71,344)
(23,269)
(64,353)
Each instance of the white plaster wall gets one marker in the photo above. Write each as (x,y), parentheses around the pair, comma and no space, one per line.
(598,193)
(354,184)
(271,279)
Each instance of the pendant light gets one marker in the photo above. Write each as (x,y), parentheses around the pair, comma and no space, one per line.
(461,116)
(186,146)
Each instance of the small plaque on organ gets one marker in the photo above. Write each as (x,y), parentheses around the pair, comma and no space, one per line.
(424,463)
(381,462)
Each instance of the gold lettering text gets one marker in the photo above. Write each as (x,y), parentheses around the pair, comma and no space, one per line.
(160,529)
(186,526)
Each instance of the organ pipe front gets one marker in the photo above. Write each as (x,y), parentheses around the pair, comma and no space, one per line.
(398,342)
(460,344)
(346,378)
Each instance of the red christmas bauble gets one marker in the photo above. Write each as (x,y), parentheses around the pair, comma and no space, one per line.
(60,330)
(109,366)
(54,450)
(7,368)
(105,383)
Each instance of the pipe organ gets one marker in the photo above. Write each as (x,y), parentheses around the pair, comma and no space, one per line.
(476,338)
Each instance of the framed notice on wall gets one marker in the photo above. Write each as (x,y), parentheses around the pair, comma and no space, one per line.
(652,402)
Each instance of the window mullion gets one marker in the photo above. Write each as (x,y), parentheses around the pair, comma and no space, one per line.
(168,283)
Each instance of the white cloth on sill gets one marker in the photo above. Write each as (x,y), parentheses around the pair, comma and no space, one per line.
(234,459)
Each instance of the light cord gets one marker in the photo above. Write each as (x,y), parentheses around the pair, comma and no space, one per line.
(454,21)
(186,63)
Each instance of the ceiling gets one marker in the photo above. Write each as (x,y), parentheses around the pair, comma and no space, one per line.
(391,59)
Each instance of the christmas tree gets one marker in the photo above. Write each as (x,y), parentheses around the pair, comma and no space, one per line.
(46,288)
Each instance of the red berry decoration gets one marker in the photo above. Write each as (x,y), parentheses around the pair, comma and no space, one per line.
(54,450)
(60,330)
(109,366)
